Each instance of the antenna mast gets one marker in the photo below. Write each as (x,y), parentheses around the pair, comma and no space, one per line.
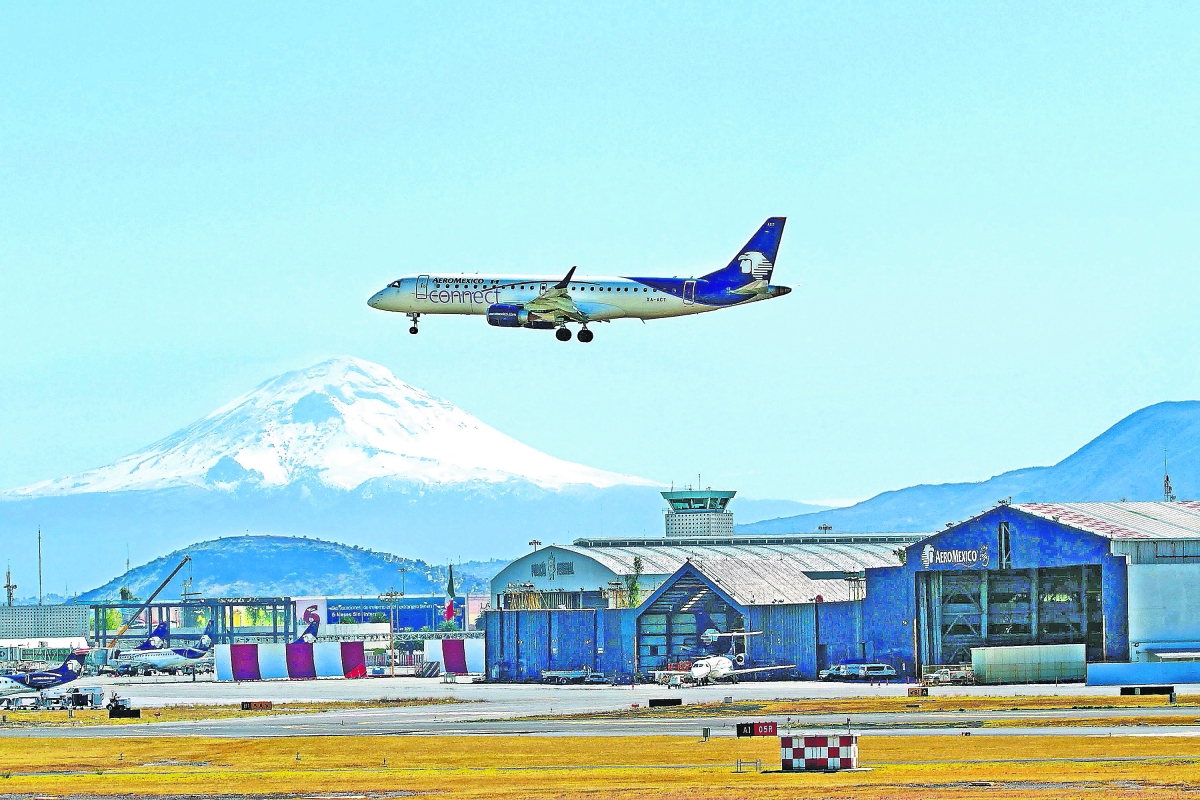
(1168,492)
(9,586)
(39,565)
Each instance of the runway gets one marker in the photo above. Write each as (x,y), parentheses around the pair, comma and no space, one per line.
(533,710)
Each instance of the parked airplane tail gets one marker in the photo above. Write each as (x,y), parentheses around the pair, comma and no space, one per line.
(209,635)
(756,260)
(73,666)
(157,639)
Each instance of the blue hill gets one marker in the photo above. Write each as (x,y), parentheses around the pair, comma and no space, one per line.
(273,566)
(1126,461)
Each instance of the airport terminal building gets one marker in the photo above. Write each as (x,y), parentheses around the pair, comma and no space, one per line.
(1119,578)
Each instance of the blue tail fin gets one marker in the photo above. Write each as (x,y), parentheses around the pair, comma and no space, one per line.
(756,260)
(73,666)
(207,638)
(157,639)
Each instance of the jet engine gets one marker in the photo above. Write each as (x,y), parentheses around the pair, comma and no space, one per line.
(507,315)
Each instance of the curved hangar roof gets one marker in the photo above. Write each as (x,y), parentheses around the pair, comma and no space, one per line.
(753,571)
(802,557)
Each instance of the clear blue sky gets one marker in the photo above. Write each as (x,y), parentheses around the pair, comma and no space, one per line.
(992,223)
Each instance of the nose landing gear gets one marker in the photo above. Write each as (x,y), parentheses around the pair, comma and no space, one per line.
(414,318)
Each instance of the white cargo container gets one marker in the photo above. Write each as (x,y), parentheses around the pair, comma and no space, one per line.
(1035,663)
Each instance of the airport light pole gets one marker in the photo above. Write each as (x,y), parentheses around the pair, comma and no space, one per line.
(535,544)
(390,596)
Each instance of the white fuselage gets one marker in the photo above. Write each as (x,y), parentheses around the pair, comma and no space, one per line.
(158,659)
(599,298)
(9,686)
(712,668)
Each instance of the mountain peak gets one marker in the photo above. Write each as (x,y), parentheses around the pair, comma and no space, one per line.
(340,423)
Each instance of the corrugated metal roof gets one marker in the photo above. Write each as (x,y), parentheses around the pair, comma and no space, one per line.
(758,582)
(1179,520)
(754,574)
(661,559)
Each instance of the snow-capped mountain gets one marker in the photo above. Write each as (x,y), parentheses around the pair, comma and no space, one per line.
(342,451)
(340,424)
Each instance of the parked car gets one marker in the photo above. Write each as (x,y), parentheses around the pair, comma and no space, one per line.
(873,672)
(841,672)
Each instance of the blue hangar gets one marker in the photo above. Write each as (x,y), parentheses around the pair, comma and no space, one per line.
(1123,579)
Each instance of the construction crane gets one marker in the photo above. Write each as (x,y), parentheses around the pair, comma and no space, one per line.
(149,600)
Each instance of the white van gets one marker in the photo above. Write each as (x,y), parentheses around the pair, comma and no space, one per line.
(875,672)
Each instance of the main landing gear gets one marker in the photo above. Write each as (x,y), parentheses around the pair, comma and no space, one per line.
(414,318)
(563,334)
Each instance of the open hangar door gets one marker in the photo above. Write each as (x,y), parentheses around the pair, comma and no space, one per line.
(961,609)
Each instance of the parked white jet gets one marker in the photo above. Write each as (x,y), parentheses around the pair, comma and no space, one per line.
(154,654)
(538,301)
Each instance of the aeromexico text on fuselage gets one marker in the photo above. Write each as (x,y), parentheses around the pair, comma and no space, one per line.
(540,301)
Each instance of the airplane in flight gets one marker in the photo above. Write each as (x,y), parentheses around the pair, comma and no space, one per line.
(154,653)
(18,682)
(541,302)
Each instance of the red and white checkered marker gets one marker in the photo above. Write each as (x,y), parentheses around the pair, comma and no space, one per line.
(818,753)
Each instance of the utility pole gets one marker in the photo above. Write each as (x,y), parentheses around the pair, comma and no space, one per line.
(39,565)
(1168,491)
(390,595)
(403,574)
(9,586)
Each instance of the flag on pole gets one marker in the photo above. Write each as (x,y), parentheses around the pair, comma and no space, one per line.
(449,615)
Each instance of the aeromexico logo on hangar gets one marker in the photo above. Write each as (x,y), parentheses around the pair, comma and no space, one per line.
(978,557)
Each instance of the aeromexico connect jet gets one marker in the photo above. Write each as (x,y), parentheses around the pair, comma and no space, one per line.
(536,301)
(18,682)
(154,653)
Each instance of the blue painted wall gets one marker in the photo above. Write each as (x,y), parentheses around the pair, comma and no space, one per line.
(891,604)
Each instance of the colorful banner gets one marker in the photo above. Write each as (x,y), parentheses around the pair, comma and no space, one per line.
(298,661)
(457,656)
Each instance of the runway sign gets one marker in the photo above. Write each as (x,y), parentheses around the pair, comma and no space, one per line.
(757,729)
(297,661)
(818,753)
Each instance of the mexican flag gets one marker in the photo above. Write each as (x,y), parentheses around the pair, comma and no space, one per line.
(449,615)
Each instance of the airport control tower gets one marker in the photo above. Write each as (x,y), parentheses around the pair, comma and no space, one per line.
(698,513)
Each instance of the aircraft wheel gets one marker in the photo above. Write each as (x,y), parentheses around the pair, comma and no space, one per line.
(563,334)
(585,336)
(413,330)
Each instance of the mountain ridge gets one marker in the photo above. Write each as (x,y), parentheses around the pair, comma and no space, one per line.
(1123,462)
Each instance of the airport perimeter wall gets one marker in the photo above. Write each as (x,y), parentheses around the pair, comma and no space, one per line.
(1141,673)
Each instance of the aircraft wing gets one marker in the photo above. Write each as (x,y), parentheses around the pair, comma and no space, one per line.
(762,669)
(557,300)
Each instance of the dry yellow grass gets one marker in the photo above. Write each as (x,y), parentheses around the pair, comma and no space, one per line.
(661,767)
(188,713)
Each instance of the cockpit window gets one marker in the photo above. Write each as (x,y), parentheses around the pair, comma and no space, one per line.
(394,285)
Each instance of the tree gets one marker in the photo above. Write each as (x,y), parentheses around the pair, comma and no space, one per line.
(447,626)
(379,616)
(631,583)
(127,596)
